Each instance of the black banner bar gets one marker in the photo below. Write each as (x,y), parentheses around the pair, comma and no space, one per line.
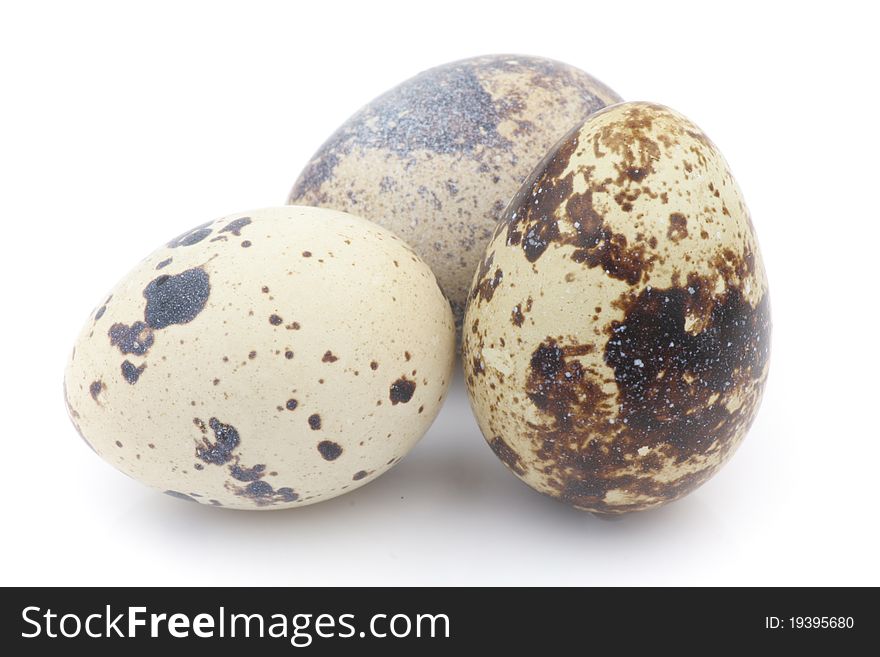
(434,620)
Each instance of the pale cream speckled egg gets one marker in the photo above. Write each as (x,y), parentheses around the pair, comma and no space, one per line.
(617,335)
(437,158)
(265,360)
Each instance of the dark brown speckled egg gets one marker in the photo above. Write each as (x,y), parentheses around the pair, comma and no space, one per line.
(617,333)
(265,360)
(437,158)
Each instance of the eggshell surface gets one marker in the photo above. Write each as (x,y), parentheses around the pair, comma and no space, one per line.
(265,360)
(617,334)
(437,158)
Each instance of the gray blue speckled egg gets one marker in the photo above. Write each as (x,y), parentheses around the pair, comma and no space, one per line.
(265,360)
(617,334)
(437,158)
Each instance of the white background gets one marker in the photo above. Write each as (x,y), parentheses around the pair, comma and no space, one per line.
(122,124)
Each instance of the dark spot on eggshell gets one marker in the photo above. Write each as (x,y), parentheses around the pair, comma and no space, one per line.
(95,389)
(529,219)
(538,237)
(286,494)
(558,385)
(676,389)
(612,252)
(306,254)
(288,354)
(675,384)
(236,225)
(258,489)
(247,474)
(518,315)
(180,496)
(131,372)
(164,263)
(275,320)
(262,493)
(220,452)
(677,230)
(315,421)
(329,450)
(401,391)
(374,365)
(507,455)
(134,339)
(636,174)
(100,312)
(487,284)
(360,474)
(245,244)
(226,439)
(328,357)
(191,237)
(176,299)
(291,404)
